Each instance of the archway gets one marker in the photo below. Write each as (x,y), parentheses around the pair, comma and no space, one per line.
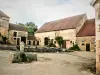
(46,41)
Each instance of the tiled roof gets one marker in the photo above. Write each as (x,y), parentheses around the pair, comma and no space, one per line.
(16,27)
(31,37)
(2,14)
(62,24)
(88,29)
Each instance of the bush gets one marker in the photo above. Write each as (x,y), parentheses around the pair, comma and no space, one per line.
(75,47)
(31,57)
(22,57)
(52,45)
(59,40)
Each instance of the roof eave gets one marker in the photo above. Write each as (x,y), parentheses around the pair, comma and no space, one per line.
(93,2)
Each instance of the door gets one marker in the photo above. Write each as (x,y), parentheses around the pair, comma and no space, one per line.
(23,39)
(88,47)
(64,44)
(18,39)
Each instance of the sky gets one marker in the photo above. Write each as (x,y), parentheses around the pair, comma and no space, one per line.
(41,11)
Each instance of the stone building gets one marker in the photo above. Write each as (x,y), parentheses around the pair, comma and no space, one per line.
(4,24)
(96,5)
(67,28)
(86,36)
(14,33)
(32,40)
(76,29)
(17,34)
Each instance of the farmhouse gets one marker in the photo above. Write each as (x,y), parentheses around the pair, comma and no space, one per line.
(14,33)
(72,30)
(17,34)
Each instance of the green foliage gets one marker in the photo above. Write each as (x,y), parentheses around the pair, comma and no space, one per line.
(59,40)
(75,47)
(51,44)
(31,57)
(4,39)
(22,57)
(30,26)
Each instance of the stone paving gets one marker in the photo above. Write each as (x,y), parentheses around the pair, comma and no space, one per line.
(47,64)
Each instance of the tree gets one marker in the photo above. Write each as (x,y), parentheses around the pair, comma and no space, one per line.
(59,40)
(30,26)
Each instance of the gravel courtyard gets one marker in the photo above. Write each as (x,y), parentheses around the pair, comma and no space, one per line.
(48,64)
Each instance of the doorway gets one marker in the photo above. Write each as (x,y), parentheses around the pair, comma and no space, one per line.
(87,47)
(46,41)
(23,39)
(18,41)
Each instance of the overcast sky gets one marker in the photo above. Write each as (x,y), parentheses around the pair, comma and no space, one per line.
(41,11)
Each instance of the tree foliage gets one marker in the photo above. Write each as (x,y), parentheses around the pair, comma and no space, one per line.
(59,40)
(30,26)
(75,47)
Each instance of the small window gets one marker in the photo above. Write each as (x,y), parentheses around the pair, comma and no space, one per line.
(83,44)
(15,34)
(33,42)
(29,43)
(70,41)
(37,42)
(14,38)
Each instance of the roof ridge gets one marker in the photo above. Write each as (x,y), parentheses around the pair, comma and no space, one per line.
(65,18)
(2,14)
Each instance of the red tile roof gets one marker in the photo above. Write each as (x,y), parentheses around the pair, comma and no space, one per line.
(88,29)
(62,24)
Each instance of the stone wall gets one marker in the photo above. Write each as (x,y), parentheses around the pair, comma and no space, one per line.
(96,5)
(4,31)
(82,41)
(13,39)
(69,34)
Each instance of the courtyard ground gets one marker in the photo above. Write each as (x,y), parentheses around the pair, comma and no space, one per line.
(48,64)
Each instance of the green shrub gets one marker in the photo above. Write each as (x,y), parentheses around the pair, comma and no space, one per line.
(59,40)
(23,57)
(31,57)
(52,45)
(75,47)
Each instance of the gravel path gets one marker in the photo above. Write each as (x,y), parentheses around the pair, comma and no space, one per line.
(47,64)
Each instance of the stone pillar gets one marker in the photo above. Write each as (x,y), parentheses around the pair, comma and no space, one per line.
(22,46)
(96,4)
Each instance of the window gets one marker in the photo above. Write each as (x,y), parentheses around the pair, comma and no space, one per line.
(15,34)
(70,41)
(14,38)
(83,44)
(33,42)
(29,43)
(37,42)
(99,28)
